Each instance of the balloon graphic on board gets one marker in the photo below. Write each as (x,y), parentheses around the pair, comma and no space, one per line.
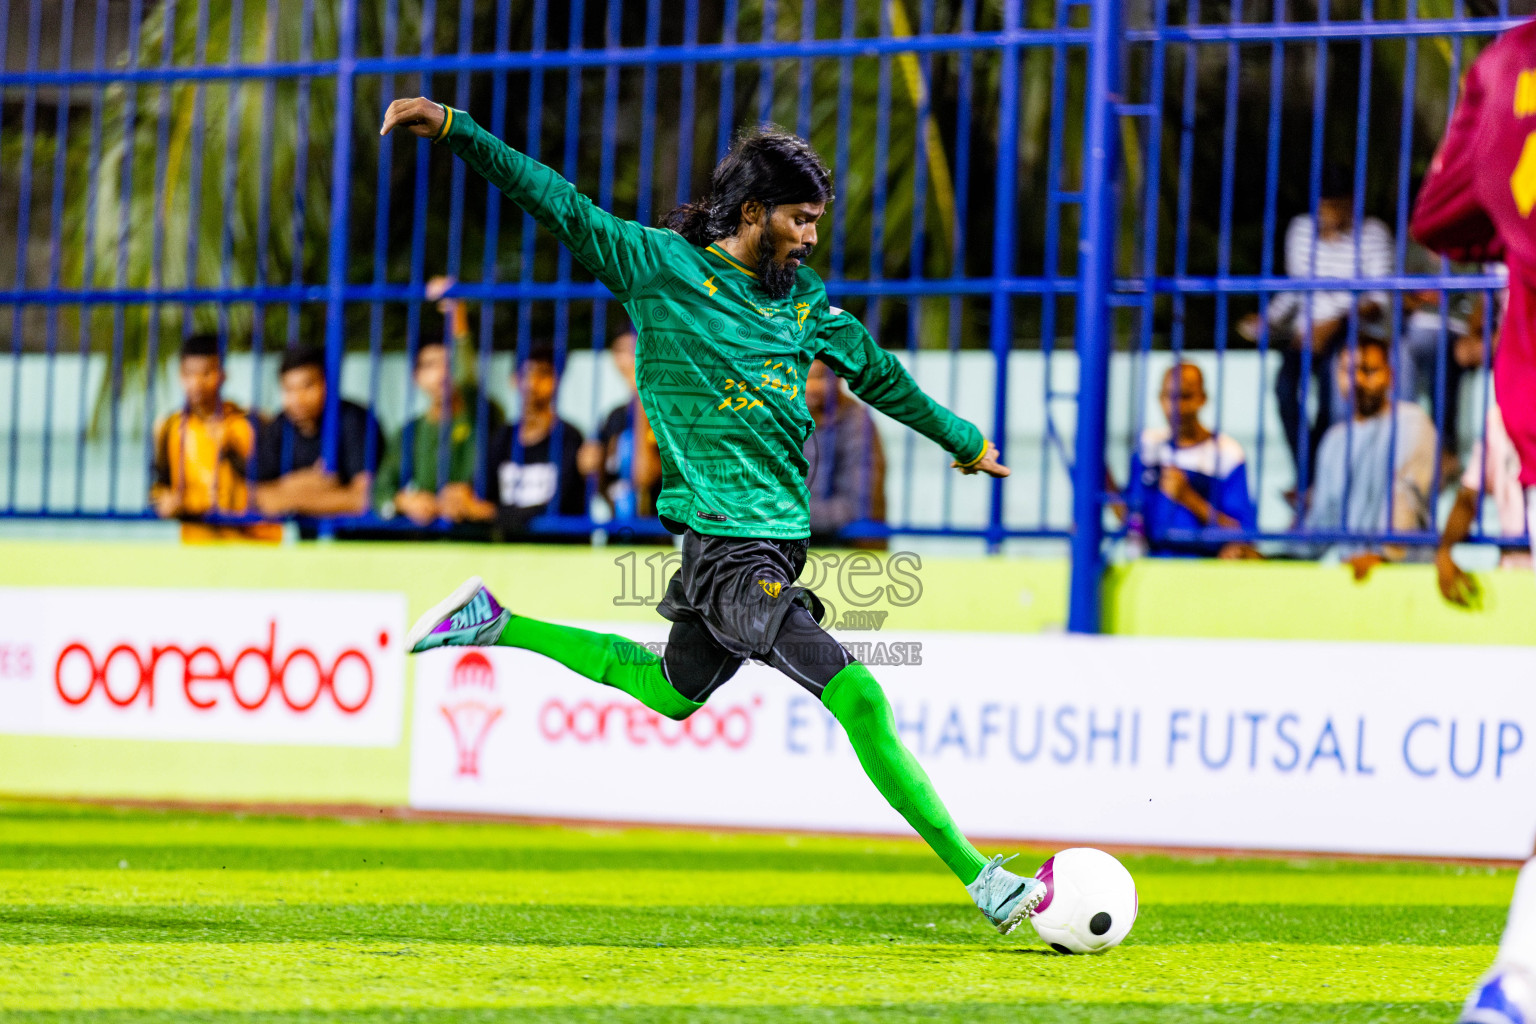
(470,720)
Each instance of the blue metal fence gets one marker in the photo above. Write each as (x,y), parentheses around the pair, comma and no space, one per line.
(1366,85)
(1041,202)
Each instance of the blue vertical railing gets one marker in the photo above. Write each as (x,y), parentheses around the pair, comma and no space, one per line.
(1191,283)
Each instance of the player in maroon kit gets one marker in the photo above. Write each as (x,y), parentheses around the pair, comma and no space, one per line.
(1476,205)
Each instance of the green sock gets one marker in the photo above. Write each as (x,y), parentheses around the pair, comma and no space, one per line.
(604,658)
(856,700)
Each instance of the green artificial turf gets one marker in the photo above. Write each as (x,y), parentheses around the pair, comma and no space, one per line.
(141,916)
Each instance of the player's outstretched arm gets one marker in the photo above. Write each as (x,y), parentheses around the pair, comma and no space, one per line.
(620,253)
(878,377)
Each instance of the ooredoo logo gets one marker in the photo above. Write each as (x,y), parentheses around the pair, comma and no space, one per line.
(596,722)
(470,720)
(299,676)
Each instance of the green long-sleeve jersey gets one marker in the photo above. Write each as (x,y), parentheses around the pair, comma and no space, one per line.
(720,365)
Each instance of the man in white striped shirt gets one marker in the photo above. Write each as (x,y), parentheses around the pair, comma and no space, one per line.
(1338,250)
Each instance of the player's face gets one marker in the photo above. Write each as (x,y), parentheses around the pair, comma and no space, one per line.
(432,371)
(1182,398)
(202,377)
(1373,379)
(304,396)
(536,384)
(787,238)
(793,229)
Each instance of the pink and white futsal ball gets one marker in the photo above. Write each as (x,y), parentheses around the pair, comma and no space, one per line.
(1090,901)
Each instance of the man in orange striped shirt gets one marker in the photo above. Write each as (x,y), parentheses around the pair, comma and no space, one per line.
(202,452)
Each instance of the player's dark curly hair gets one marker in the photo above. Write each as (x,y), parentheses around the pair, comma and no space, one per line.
(766,165)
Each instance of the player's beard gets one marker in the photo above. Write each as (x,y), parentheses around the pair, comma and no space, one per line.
(778,276)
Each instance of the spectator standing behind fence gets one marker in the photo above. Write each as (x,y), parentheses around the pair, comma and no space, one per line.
(624,460)
(203,453)
(1383,457)
(1495,471)
(1319,319)
(531,466)
(1186,477)
(847,461)
(423,477)
(293,477)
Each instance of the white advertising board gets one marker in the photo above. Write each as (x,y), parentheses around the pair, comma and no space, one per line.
(1391,749)
(250,666)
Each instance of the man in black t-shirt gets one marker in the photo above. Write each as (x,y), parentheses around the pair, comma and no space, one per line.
(292,477)
(532,464)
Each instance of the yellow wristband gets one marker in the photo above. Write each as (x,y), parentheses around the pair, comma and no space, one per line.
(442,133)
(985,444)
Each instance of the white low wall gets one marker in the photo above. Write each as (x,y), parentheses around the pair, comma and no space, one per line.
(921,489)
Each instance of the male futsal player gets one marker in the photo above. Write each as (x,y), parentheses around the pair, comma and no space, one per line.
(1476,204)
(730,319)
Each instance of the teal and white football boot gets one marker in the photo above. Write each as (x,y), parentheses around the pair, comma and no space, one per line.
(1005,897)
(468,617)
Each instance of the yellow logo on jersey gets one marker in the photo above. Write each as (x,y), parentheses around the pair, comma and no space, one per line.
(771,587)
(1525,93)
(709,282)
(1523,182)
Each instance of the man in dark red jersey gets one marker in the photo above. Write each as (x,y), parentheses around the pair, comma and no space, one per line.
(1476,204)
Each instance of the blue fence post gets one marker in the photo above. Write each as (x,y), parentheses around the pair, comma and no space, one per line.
(1094,337)
(1003,245)
(336,277)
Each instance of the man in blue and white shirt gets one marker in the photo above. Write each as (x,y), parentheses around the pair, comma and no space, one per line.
(1185,477)
(1375,470)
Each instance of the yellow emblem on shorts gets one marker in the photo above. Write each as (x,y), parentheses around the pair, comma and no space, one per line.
(771,587)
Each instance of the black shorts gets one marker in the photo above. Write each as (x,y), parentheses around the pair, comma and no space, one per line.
(740,588)
(734,598)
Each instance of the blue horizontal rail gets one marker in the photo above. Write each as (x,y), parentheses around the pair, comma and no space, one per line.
(544,525)
(557,60)
(1333,31)
(1259,284)
(502,291)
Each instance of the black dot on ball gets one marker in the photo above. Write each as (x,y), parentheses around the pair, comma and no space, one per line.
(1100,923)
(1058,947)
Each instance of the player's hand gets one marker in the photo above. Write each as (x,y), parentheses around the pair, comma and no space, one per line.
(990,464)
(1455,586)
(420,115)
